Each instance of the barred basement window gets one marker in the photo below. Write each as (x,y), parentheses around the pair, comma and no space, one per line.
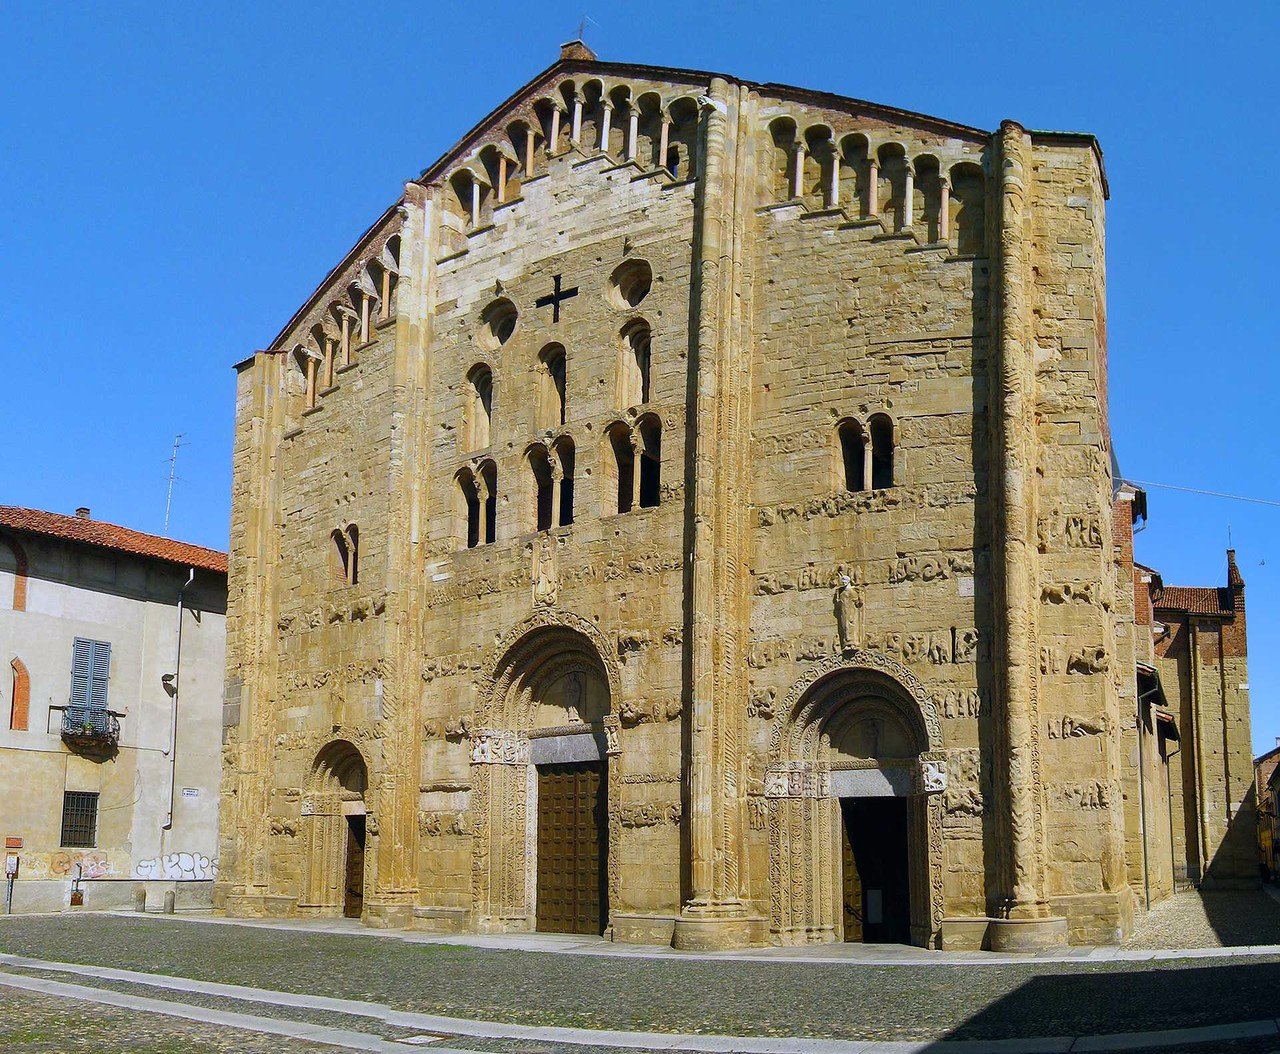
(79,820)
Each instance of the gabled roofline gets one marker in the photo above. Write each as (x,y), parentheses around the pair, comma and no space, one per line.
(562,67)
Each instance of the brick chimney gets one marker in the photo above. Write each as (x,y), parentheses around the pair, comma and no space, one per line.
(82,513)
(576,50)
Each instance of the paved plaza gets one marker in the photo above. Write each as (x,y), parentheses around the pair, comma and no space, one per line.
(75,982)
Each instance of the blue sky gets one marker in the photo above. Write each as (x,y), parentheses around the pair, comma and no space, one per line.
(175,179)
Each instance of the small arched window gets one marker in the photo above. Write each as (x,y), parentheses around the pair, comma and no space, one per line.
(20,699)
(968,207)
(479,407)
(852,466)
(339,557)
(634,369)
(353,554)
(649,431)
(881,452)
(623,465)
(489,494)
(565,454)
(543,488)
(552,380)
(469,507)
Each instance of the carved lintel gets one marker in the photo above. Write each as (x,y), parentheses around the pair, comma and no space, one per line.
(797,779)
(499,746)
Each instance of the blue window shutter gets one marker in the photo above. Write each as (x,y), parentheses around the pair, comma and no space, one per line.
(90,671)
(81,672)
(101,673)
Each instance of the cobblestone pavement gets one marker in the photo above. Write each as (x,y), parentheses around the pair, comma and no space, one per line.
(38,1023)
(852,1001)
(1210,920)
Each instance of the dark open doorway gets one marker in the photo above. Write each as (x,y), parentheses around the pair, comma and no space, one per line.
(572,848)
(875,870)
(353,887)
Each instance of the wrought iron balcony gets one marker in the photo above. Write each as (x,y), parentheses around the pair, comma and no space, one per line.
(90,727)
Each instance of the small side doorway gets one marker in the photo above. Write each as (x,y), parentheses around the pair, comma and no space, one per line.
(353,886)
(875,870)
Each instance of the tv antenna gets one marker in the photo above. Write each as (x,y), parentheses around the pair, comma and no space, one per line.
(582,26)
(173,465)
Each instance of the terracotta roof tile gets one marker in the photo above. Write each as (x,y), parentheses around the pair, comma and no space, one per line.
(1198,600)
(110,536)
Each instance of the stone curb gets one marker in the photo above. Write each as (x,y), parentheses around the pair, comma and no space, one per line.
(1119,1041)
(300,1030)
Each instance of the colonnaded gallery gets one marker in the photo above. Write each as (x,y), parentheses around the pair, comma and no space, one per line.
(689,515)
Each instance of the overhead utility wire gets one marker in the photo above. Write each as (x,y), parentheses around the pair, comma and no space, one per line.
(1208,493)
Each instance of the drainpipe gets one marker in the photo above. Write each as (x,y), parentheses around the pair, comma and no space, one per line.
(173,717)
(1142,795)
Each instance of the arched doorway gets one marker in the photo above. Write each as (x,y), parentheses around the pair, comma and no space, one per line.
(542,781)
(336,833)
(855,820)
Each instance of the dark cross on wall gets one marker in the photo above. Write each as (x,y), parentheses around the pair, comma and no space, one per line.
(554,299)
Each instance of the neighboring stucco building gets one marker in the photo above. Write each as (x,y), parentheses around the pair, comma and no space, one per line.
(1267,781)
(689,514)
(105,634)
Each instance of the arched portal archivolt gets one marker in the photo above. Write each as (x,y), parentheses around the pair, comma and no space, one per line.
(823,706)
(558,673)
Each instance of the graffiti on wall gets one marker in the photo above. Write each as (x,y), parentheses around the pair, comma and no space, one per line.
(177,867)
(68,864)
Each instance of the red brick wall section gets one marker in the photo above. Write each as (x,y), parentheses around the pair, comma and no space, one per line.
(21,697)
(1234,644)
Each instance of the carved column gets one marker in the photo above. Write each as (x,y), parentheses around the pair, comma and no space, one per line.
(664,137)
(1020,897)
(944,211)
(717,601)
(553,144)
(606,112)
(797,171)
(873,188)
(909,195)
(575,134)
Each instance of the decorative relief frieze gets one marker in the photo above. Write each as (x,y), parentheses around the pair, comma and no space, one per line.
(455,728)
(282,827)
(1089,796)
(797,779)
(944,647)
(491,746)
(1089,661)
(963,702)
(334,612)
(930,567)
(1071,593)
(830,506)
(1068,727)
(762,703)
(632,712)
(467,662)
(649,814)
(435,824)
(650,777)
(931,777)
(1069,530)
(964,799)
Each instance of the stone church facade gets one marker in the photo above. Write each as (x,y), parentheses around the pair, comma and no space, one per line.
(685,516)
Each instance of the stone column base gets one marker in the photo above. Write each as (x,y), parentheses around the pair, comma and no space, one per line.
(260,906)
(637,928)
(1026,935)
(388,915)
(693,933)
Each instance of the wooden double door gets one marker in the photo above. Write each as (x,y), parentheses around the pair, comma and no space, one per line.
(353,869)
(573,848)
